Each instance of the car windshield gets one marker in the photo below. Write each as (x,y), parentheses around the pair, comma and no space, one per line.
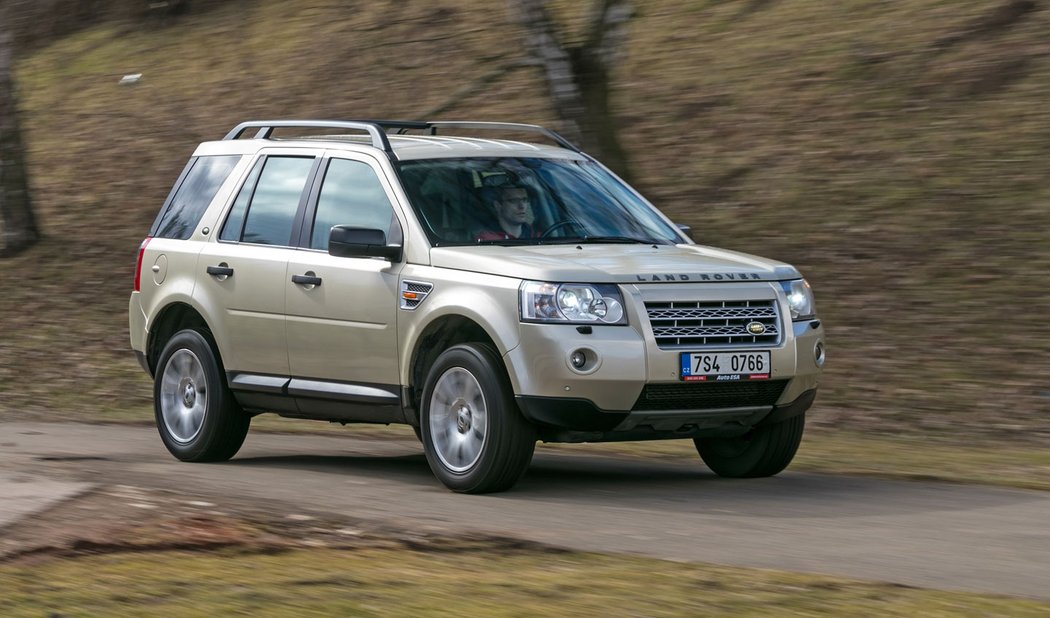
(514,201)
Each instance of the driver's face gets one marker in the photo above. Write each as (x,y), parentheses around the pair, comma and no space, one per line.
(513,206)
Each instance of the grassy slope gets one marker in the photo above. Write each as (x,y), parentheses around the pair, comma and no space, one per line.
(398,582)
(896,159)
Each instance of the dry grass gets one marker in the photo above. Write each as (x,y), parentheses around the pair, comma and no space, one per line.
(399,582)
(895,152)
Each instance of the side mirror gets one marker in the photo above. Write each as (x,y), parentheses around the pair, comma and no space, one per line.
(685,229)
(347,241)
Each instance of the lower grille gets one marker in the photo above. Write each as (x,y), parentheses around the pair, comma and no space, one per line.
(692,396)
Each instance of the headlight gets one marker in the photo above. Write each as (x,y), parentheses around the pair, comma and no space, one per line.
(800,299)
(575,303)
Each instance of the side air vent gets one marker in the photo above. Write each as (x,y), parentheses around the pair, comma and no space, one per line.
(413,293)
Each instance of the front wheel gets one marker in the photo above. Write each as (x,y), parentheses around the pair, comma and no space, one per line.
(196,414)
(763,451)
(474,436)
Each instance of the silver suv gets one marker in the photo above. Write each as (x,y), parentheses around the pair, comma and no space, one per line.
(487,292)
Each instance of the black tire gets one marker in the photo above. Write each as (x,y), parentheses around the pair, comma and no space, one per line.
(485,407)
(763,451)
(190,385)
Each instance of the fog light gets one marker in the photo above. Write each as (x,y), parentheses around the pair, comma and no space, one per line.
(818,353)
(578,359)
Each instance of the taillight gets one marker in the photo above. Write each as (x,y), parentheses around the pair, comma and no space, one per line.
(138,266)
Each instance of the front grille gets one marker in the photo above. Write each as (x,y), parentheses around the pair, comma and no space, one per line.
(694,396)
(695,324)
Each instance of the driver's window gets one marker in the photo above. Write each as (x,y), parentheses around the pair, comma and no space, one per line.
(351,195)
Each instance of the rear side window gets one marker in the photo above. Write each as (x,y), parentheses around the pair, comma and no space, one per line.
(272,202)
(199,186)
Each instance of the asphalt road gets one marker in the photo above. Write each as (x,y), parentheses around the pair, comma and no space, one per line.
(951,537)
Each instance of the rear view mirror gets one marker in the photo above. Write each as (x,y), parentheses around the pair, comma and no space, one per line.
(347,241)
(685,229)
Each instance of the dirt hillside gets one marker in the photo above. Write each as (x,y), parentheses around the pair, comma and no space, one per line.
(896,152)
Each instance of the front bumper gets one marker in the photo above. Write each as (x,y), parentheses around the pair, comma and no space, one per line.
(630,386)
(579,420)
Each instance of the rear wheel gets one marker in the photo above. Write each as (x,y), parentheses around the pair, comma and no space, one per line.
(763,451)
(474,436)
(197,416)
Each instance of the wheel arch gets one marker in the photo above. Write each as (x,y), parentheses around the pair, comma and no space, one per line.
(172,318)
(439,335)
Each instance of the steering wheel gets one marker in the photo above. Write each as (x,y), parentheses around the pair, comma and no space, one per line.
(557,225)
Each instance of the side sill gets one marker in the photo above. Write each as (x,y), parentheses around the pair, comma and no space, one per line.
(257,383)
(373,394)
(350,392)
(343,402)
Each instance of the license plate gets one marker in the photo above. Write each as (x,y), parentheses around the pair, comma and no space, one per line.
(725,366)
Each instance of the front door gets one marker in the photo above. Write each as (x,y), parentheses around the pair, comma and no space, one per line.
(341,323)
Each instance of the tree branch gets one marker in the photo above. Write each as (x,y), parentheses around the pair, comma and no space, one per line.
(434,39)
(544,45)
(607,28)
(469,89)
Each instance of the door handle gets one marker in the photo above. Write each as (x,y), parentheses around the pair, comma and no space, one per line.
(306,279)
(222,270)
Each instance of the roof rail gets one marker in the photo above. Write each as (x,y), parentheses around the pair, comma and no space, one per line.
(376,128)
(266,127)
(502,126)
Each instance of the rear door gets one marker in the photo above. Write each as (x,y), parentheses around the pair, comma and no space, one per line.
(342,336)
(243,272)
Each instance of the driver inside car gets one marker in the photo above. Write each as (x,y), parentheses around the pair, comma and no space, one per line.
(513,213)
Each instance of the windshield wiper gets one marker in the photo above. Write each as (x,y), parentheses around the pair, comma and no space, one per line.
(619,239)
(502,241)
(562,240)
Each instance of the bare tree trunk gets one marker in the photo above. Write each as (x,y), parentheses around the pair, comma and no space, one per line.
(18,228)
(578,76)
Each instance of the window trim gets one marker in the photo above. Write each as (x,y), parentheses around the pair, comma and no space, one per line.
(304,197)
(310,213)
(237,194)
(307,223)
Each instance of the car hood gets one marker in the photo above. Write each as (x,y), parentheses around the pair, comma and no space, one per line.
(613,263)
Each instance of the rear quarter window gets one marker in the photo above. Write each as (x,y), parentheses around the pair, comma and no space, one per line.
(200,183)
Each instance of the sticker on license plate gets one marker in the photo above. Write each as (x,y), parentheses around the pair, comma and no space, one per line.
(725,366)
